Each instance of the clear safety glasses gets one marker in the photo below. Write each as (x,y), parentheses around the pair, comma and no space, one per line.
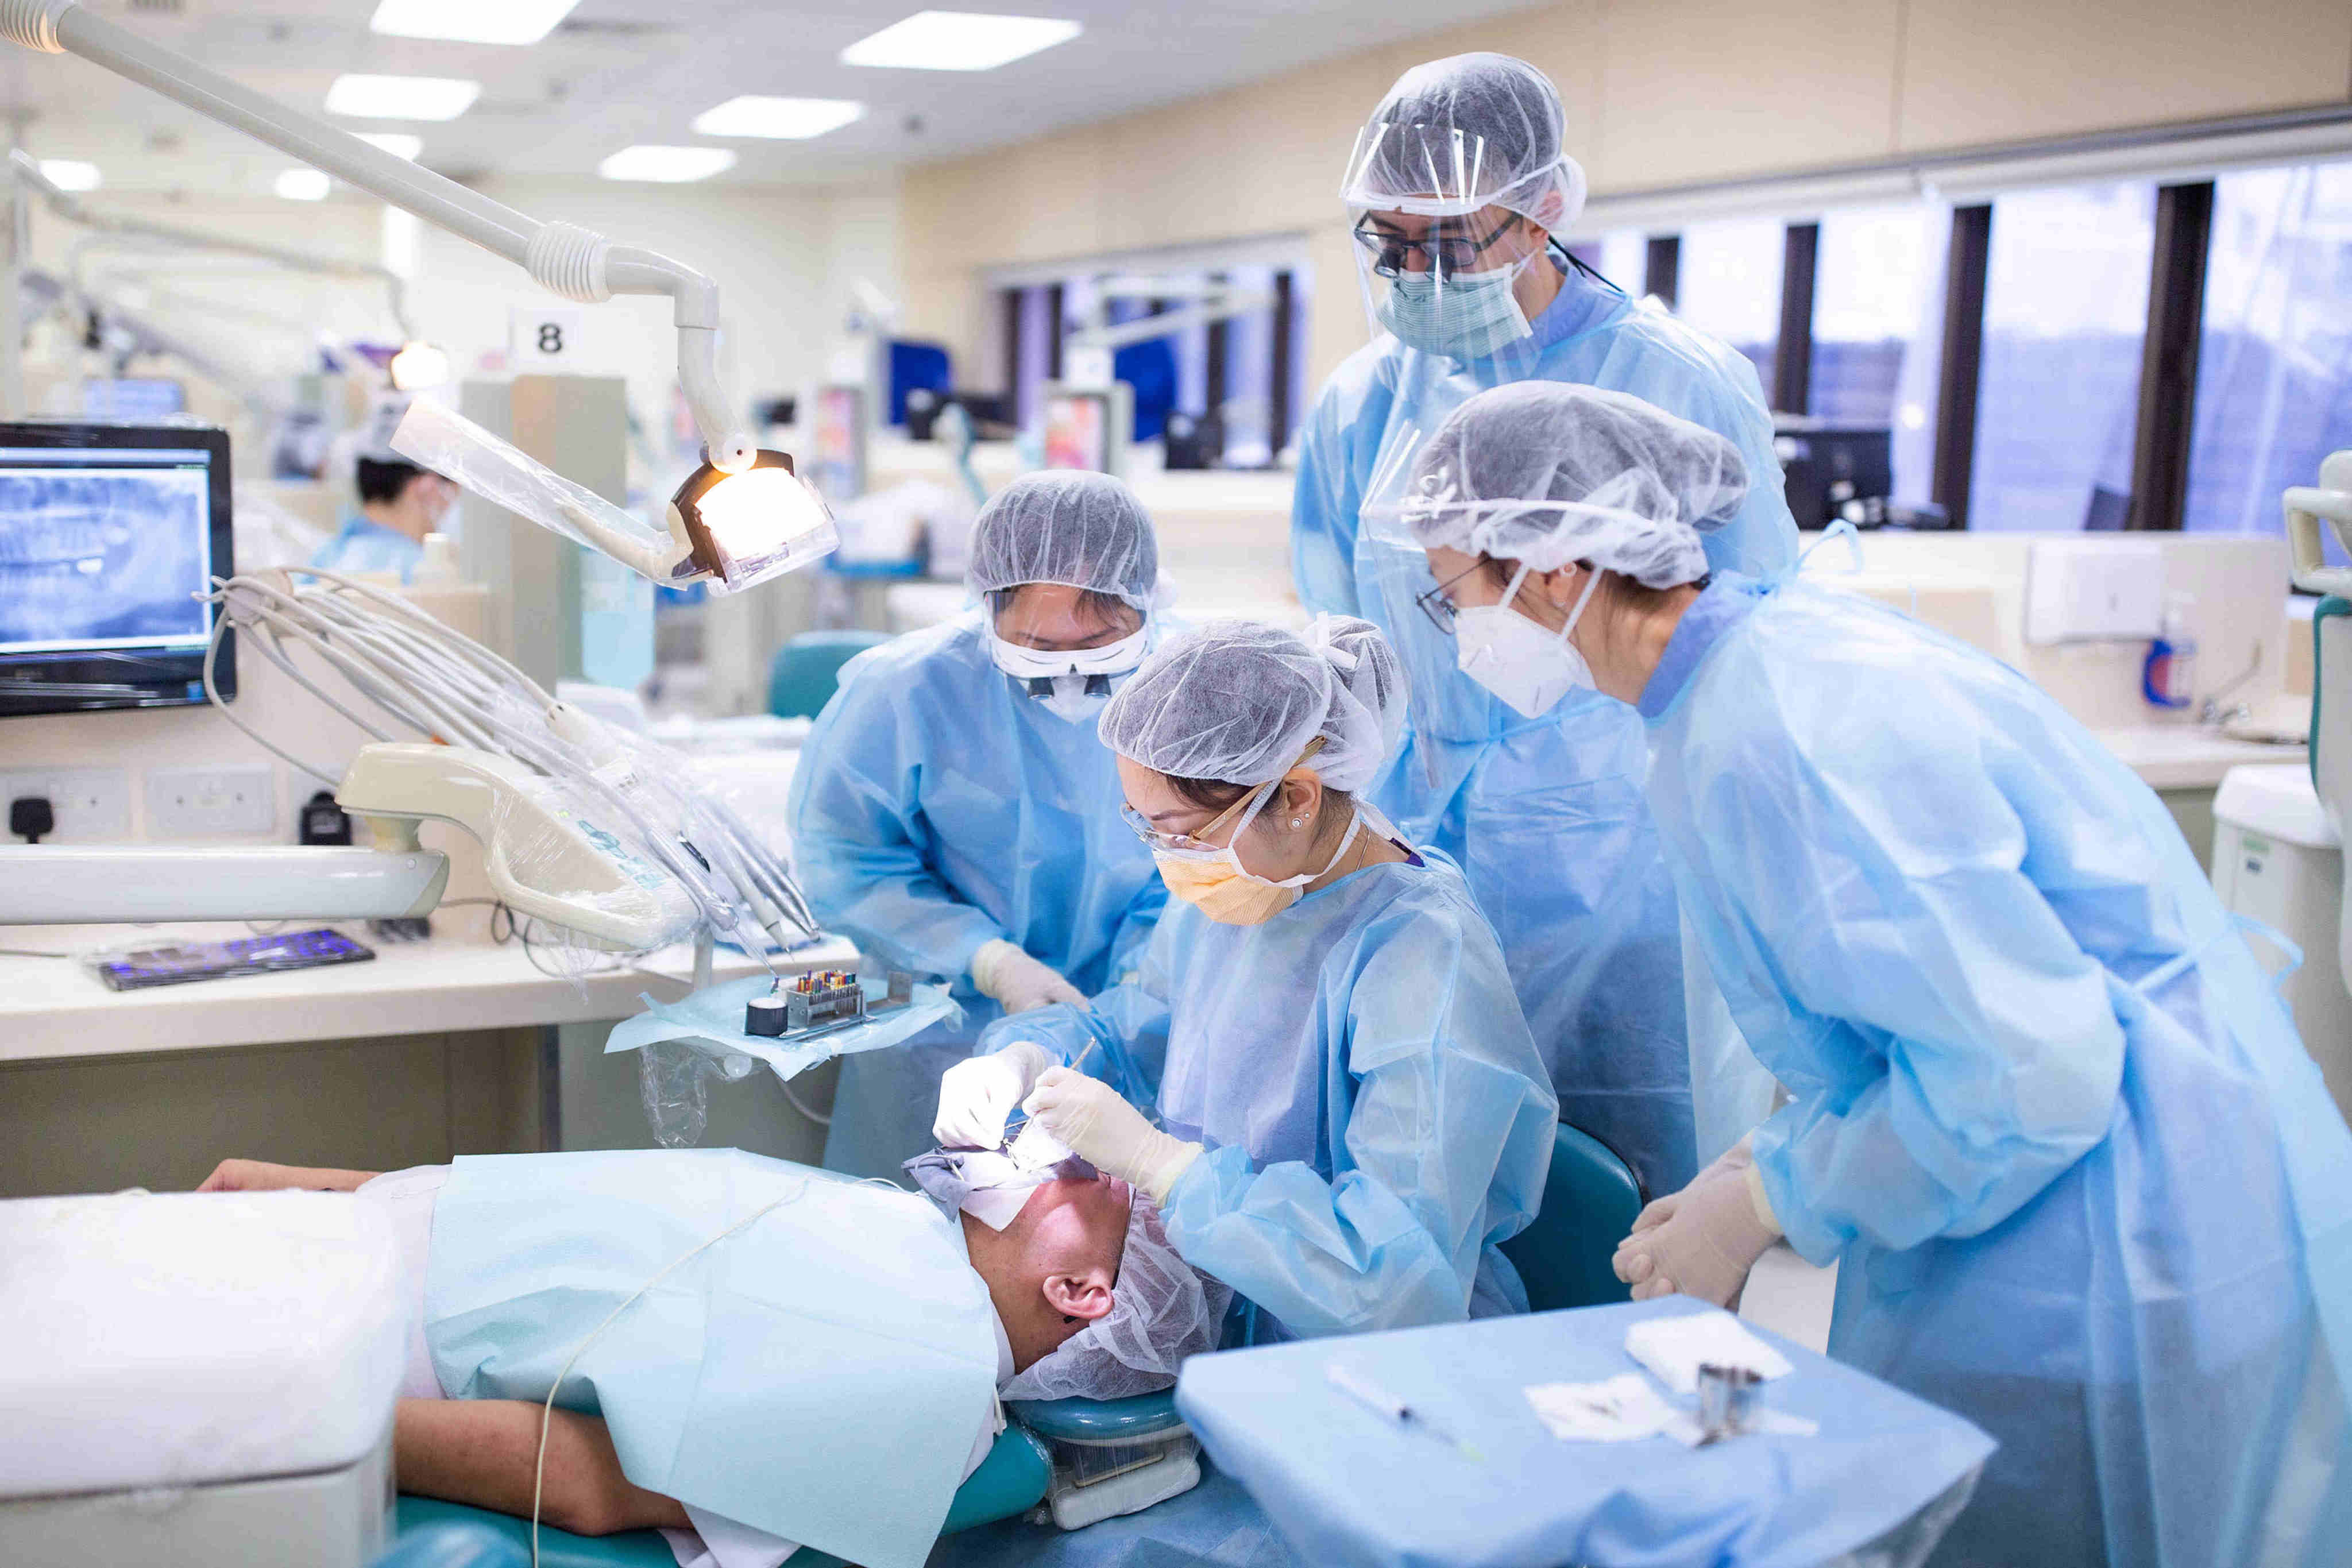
(1185,844)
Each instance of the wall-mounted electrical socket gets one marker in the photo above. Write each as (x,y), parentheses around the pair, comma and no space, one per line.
(207,803)
(93,804)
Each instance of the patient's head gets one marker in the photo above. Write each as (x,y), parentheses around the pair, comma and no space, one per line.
(1054,1268)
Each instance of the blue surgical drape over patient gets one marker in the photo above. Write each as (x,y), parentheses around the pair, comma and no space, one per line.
(1546,815)
(2084,1185)
(1375,1115)
(939,806)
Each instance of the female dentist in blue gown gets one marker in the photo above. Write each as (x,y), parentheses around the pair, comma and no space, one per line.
(2083,1184)
(955,814)
(1458,183)
(1352,1113)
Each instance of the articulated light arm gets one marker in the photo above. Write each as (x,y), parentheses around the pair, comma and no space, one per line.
(574,262)
(72,209)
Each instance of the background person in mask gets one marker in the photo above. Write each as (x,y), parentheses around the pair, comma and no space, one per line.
(1458,183)
(954,813)
(1352,1114)
(2082,1181)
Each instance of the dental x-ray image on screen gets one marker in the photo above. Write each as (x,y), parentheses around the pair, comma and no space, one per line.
(102,556)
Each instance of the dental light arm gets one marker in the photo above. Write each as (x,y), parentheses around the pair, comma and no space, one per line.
(574,262)
(67,206)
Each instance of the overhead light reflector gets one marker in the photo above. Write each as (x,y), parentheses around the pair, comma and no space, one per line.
(471,21)
(70,174)
(301,184)
(399,143)
(667,165)
(958,41)
(401,97)
(789,118)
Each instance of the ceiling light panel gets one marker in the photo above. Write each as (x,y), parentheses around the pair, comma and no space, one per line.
(667,165)
(399,143)
(787,118)
(401,97)
(70,174)
(471,21)
(958,41)
(301,184)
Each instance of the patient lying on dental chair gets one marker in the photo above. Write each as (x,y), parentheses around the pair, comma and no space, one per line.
(750,1354)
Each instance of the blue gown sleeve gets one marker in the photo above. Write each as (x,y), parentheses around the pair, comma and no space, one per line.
(1323,515)
(1448,1141)
(859,839)
(1981,1052)
(1125,1028)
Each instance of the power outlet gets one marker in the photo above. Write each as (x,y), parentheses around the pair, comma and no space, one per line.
(204,803)
(93,804)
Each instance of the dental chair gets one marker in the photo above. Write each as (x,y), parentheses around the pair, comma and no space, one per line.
(1088,1459)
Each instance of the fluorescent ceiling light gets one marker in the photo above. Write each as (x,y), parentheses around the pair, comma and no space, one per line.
(791,119)
(471,21)
(958,41)
(70,174)
(401,97)
(399,143)
(301,184)
(668,165)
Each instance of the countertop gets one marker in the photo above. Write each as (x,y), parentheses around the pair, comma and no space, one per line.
(55,1008)
(2185,757)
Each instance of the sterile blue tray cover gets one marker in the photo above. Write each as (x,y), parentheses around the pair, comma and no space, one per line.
(1348,1488)
(714,1014)
(820,1375)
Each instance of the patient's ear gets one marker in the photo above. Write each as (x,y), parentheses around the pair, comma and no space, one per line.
(1085,1297)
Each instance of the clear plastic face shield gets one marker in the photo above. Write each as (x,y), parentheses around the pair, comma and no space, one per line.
(1444,251)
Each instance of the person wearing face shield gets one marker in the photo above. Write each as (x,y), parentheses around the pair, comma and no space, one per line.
(955,812)
(2083,1181)
(1458,188)
(1319,1070)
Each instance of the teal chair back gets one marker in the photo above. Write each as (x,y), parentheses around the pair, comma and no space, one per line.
(806,669)
(1589,1204)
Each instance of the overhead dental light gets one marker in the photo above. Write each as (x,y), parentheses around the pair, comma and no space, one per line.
(418,366)
(715,534)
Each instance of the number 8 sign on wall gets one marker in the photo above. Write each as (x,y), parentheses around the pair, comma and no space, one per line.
(545,339)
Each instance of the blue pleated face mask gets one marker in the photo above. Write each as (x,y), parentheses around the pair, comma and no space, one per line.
(1463,315)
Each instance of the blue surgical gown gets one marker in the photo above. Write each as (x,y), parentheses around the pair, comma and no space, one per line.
(2086,1185)
(364,546)
(1375,1116)
(938,806)
(1546,815)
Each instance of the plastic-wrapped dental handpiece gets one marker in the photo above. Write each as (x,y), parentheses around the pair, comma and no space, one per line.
(454,446)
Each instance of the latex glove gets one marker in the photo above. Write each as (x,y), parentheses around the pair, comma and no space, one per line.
(1007,976)
(978,1094)
(1706,1244)
(1739,1157)
(1107,1132)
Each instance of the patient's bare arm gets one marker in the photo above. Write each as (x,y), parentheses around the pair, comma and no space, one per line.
(483,1452)
(260,1176)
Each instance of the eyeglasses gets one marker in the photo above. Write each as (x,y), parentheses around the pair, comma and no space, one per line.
(1186,843)
(1440,608)
(1445,255)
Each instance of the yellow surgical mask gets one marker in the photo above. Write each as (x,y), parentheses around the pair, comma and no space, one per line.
(1216,882)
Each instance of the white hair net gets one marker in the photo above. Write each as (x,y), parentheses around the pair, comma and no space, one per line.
(1547,472)
(1464,132)
(1239,700)
(1081,530)
(1162,1310)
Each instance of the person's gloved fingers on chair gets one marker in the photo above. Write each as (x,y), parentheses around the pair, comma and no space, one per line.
(1705,1246)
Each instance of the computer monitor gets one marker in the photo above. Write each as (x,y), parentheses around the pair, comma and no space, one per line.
(107,534)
